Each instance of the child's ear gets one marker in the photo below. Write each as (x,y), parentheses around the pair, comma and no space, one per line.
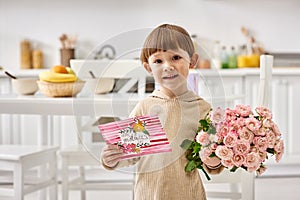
(147,67)
(194,60)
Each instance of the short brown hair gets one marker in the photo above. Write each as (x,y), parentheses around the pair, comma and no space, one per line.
(167,37)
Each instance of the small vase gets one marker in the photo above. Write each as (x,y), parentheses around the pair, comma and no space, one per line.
(66,55)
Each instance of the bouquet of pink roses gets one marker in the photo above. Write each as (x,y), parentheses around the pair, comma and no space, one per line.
(238,137)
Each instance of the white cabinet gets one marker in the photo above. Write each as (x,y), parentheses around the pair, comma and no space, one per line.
(221,90)
(286,108)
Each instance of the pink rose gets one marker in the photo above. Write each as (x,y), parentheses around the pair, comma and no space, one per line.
(261,170)
(253,124)
(279,146)
(230,115)
(261,143)
(252,169)
(204,153)
(278,156)
(224,152)
(227,163)
(238,160)
(246,134)
(252,160)
(241,122)
(264,112)
(203,138)
(217,116)
(223,131)
(254,149)
(271,139)
(268,123)
(230,140)
(242,147)
(213,146)
(276,129)
(262,156)
(243,110)
(261,132)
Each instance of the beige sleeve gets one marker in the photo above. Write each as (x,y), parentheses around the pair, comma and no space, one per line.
(205,107)
(122,163)
(137,111)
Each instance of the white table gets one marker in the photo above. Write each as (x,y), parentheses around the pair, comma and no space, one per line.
(109,105)
(113,104)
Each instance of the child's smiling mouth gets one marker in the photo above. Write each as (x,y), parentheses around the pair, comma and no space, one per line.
(170,76)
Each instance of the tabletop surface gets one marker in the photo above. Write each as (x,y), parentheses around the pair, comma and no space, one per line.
(40,104)
(16,152)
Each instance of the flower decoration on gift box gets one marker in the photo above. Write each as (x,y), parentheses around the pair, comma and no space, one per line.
(239,137)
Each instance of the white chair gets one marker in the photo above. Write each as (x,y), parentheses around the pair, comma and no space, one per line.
(228,185)
(241,184)
(91,176)
(85,156)
(18,160)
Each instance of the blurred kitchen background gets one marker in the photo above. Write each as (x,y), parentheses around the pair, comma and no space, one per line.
(95,22)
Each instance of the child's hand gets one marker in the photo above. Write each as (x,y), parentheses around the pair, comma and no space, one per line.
(111,155)
(212,162)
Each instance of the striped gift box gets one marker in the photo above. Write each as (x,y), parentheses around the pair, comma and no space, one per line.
(139,136)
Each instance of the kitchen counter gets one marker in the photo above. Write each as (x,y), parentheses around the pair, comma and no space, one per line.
(295,71)
(247,71)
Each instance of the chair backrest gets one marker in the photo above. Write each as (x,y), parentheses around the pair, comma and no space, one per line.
(117,69)
(264,94)
(241,183)
(228,185)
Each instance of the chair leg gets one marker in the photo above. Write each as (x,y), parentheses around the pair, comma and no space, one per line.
(42,171)
(65,179)
(248,186)
(82,180)
(53,175)
(234,187)
(18,182)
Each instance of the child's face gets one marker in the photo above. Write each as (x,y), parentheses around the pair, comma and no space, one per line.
(170,69)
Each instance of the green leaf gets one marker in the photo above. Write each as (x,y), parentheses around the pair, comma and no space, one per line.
(271,150)
(190,156)
(212,155)
(211,129)
(186,144)
(190,166)
(196,147)
(203,123)
(146,132)
(233,169)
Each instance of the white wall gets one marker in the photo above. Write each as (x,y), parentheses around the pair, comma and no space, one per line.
(272,22)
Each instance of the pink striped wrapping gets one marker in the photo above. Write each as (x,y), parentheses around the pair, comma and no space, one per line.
(158,140)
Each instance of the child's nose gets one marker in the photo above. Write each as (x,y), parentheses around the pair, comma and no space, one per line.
(168,66)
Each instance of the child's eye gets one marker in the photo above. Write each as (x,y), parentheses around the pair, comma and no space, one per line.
(157,61)
(176,57)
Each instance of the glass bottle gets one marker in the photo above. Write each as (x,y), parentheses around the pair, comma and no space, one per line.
(232,58)
(216,61)
(224,58)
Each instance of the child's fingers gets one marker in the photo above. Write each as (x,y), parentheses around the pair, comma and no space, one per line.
(112,149)
(111,155)
(111,158)
(110,152)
